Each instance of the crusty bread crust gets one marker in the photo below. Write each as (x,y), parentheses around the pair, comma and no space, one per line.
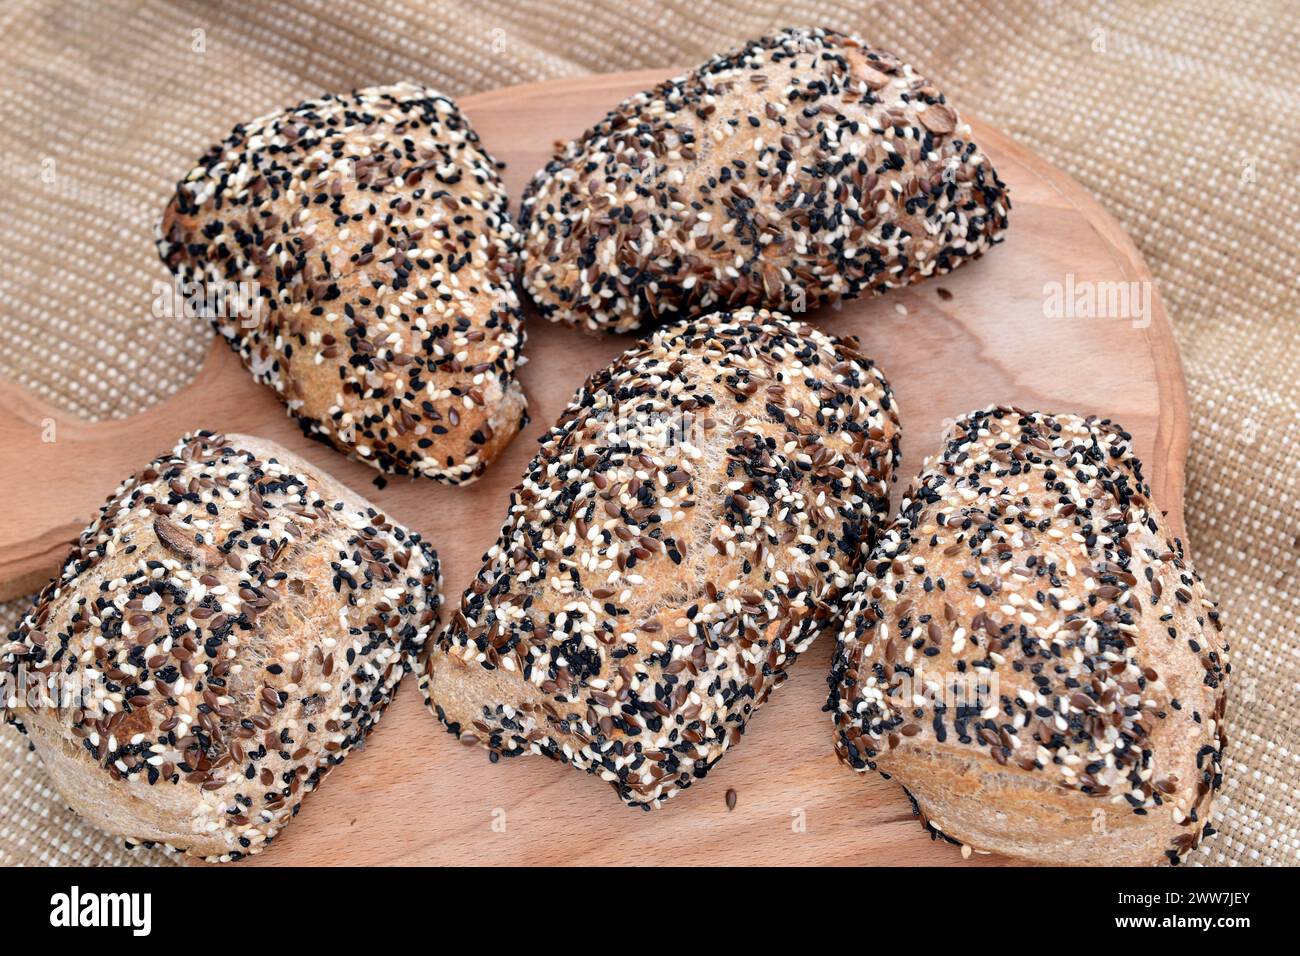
(1031,657)
(229,627)
(376,230)
(804,168)
(684,532)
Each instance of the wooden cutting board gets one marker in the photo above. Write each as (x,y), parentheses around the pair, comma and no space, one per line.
(415,796)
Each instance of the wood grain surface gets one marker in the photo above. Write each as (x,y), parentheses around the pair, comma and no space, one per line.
(978,336)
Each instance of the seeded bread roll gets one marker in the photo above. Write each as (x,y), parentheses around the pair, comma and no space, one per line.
(1030,655)
(802,169)
(683,534)
(237,622)
(374,228)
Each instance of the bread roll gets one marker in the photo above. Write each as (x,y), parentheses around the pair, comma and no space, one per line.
(804,168)
(683,534)
(236,622)
(1031,656)
(373,227)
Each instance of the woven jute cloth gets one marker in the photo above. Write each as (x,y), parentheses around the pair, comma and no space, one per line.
(1182,118)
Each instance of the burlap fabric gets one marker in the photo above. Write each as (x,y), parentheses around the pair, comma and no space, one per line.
(1183,118)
